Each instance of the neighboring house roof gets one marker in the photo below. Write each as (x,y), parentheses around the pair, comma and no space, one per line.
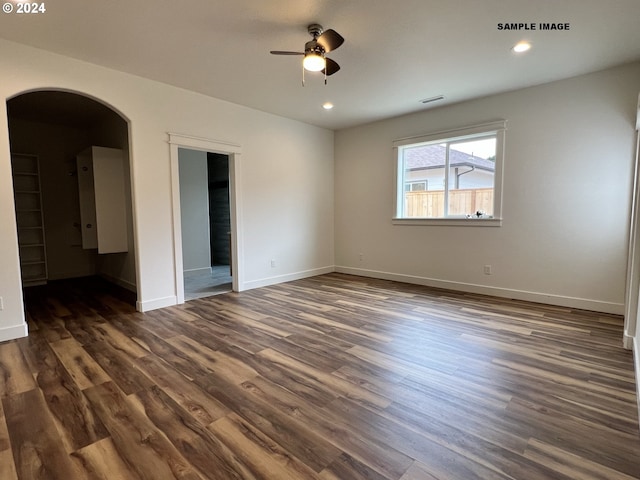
(432,156)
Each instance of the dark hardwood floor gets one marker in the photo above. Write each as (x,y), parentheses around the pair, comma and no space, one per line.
(333,377)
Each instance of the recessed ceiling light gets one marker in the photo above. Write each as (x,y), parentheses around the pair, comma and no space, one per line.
(327,105)
(521,47)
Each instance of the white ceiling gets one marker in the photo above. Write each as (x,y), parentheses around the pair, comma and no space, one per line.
(396,52)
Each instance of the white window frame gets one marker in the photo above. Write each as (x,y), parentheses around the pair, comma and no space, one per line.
(496,128)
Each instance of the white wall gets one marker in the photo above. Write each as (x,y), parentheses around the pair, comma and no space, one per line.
(12,324)
(194,205)
(567,195)
(286,182)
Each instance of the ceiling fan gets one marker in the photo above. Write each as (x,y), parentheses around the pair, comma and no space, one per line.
(315,51)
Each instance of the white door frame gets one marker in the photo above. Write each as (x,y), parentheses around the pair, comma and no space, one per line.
(632,313)
(632,294)
(234,152)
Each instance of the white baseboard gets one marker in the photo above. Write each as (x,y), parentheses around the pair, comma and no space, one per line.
(127,285)
(265,282)
(66,275)
(627,342)
(562,301)
(195,272)
(156,303)
(13,332)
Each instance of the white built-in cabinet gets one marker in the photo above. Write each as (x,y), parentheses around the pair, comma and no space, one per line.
(101,185)
(29,219)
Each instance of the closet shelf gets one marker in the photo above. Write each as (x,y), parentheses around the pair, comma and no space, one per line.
(28,202)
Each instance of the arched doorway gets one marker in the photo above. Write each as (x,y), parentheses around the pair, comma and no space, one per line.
(48,129)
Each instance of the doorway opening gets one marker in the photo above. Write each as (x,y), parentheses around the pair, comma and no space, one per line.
(49,132)
(207,233)
(205,223)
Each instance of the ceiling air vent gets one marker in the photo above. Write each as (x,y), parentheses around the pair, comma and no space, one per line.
(432,99)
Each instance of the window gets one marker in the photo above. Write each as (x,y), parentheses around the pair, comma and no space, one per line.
(415,186)
(452,176)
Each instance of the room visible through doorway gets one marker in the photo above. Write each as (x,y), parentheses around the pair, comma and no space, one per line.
(205,223)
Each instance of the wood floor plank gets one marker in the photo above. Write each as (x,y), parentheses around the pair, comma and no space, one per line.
(222,336)
(117,364)
(205,331)
(394,362)
(220,323)
(163,328)
(348,467)
(7,467)
(204,451)
(106,333)
(371,451)
(83,327)
(296,300)
(571,465)
(423,412)
(444,449)
(248,320)
(76,422)
(596,409)
(525,370)
(101,461)
(83,369)
(344,330)
(5,443)
(37,450)
(50,327)
(591,442)
(283,427)
(317,358)
(140,444)
(331,382)
(264,457)
(217,362)
(15,376)
(310,389)
(202,406)
(176,357)
(377,380)
(418,471)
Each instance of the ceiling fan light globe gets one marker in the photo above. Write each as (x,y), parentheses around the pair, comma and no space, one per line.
(313,62)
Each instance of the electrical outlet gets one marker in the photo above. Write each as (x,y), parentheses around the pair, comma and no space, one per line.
(361,256)
(1,304)
(273,264)
(488,270)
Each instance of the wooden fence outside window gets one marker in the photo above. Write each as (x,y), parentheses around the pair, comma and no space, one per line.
(430,203)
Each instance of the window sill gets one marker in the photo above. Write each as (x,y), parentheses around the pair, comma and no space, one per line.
(450,222)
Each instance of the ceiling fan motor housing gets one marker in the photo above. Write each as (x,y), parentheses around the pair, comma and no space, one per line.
(315,30)
(312,46)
